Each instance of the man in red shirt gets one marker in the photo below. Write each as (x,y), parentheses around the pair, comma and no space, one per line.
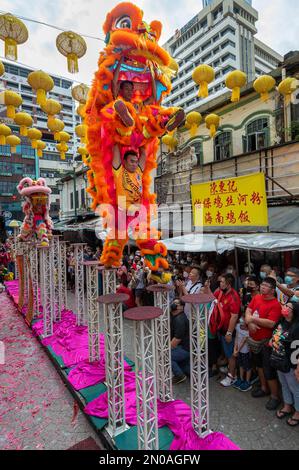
(262,314)
(123,289)
(229,304)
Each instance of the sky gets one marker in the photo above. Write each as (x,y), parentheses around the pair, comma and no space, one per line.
(277,27)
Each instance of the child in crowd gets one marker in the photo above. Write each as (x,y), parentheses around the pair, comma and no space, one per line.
(243,354)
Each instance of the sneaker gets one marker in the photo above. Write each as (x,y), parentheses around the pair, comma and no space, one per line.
(237,383)
(177,379)
(245,386)
(228,381)
(223,369)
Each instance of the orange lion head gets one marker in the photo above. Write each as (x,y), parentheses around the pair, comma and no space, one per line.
(126,30)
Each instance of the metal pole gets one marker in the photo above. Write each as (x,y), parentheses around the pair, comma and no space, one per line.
(36,160)
(145,366)
(33,255)
(56,265)
(249,262)
(114,361)
(46,266)
(93,312)
(199,362)
(62,276)
(79,282)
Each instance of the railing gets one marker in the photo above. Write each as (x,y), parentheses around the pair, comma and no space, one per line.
(280,165)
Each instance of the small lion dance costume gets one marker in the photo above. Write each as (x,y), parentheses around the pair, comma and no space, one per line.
(133,54)
(37,222)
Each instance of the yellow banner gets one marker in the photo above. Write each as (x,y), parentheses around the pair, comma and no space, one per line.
(239,201)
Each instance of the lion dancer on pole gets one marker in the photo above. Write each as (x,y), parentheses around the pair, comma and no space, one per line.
(124,120)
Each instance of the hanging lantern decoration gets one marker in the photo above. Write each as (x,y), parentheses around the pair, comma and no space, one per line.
(40,145)
(170,141)
(81,110)
(13,141)
(80,93)
(81,130)
(24,120)
(34,135)
(12,32)
(5,131)
(42,83)
(263,85)
(287,87)
(212,122)
(235,81)
(203,75)
(193,121)
(56,126)
(64,137)
(11,100)
(72,46)
(84,154)
(2,69)
(62,149)
(51,107)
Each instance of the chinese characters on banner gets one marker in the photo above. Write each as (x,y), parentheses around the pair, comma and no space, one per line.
(239,201)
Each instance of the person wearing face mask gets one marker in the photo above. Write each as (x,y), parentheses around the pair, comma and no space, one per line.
(289,291)
(252,289)
(265,271)
(261,316)
(224,318)
(212,277)
(283,344)
(193,286)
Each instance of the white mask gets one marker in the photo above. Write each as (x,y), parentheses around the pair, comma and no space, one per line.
(186,275)
(210,273)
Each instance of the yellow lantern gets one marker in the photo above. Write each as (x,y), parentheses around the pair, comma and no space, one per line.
(81,110)
(193,120)
(235,81)
(11,100)
(212,122)
(80,93)
(2,68)
(287,87)
(56,126)
(62,149)
(12,32)
(34,135)
(81,130)
(174,67)
(263,85)
(203,75)
(40,147)
(51,107)
(84,153)
(13,141)
(42,83)
(170,141)
(24,120)
(72,46)
(4,132)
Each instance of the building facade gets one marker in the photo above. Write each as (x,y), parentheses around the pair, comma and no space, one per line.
(221,35)
(24,162)
(253,136)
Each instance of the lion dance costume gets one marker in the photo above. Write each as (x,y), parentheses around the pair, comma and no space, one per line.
(135,43)
(37,222)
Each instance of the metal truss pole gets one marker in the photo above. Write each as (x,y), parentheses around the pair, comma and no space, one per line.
(33,258)
(16,250)
(79,283)
(114,360)
(46,270)
(54,243)
(145,363)
(25,250)
(163,348)
(109,280)
(93,310)
(62,277)
(199,362)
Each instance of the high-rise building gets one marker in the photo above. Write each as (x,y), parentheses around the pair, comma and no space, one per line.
(24,162)
(223,36)
(205,3)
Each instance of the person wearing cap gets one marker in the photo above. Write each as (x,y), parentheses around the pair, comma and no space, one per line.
(289,291)
(180,343)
